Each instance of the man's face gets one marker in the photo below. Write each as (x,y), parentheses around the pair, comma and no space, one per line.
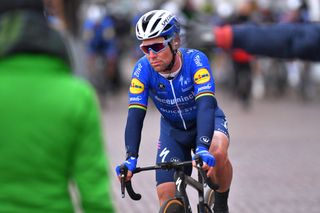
(158,53)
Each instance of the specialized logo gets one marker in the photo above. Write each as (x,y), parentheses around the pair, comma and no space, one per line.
(178,183)
(205,139)
(161,86)
(164,154)
(201,76)
(225,124)
(136,86)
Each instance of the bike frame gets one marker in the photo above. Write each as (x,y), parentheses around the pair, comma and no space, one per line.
(181,181)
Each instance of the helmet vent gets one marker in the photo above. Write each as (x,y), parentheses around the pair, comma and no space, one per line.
(145,25)
(153,34)
(167,27)
(147,19)
(155,24)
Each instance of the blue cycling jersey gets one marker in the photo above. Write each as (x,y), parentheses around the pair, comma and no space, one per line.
(176,98)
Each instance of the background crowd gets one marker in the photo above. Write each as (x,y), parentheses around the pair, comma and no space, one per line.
(50,133)
(110,47)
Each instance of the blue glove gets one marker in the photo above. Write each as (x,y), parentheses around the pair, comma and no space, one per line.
(206,156)
(130,163)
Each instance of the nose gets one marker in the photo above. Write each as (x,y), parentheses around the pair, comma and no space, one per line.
(152,54)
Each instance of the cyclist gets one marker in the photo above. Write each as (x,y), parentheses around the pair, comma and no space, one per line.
(181,85)
(51,133)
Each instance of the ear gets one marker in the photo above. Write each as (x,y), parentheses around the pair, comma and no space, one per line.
(176,42)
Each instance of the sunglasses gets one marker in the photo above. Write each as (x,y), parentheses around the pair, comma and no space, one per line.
(155,48)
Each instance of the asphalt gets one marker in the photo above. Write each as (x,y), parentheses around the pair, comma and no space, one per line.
(274,150)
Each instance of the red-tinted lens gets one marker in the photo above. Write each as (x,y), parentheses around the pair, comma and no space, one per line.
(157,47)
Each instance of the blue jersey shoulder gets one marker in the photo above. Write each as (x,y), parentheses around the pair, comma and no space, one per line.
(175,99)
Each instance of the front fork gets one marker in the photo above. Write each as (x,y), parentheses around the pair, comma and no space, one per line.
(201,205)
(181,193)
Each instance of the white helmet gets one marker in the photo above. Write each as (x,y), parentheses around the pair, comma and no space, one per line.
(157,23)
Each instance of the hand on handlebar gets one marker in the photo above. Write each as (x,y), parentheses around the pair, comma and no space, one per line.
(124,173)
(131,164)
(207,158)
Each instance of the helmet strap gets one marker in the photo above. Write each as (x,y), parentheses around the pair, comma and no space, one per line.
(173,60)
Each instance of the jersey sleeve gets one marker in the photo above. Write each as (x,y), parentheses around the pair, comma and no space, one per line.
(204,84)
(138,101)
(204,88)
(138,91)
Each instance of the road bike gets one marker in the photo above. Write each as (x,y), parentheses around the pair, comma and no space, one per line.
(180,202)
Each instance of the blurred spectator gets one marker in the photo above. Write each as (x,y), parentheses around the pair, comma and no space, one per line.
(297,39)
(101,44)
(297,11)
(189,9)
(242,60)
(51,137)
(225,12)
(287,40)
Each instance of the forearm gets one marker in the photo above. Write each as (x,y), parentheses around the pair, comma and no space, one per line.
(205,120)
(133,131)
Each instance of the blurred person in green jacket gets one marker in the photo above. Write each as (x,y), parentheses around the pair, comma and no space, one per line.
(50,128)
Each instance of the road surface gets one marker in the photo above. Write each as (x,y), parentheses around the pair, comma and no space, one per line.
(274,150)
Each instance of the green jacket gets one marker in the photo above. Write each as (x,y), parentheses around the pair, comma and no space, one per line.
(50,134)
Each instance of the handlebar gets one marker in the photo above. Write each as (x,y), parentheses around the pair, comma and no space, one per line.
(166,166)
(207,180)
(127,184)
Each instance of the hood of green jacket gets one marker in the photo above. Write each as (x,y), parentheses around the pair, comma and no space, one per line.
(23,31)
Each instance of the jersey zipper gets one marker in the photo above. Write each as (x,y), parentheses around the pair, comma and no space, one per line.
(179,110)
